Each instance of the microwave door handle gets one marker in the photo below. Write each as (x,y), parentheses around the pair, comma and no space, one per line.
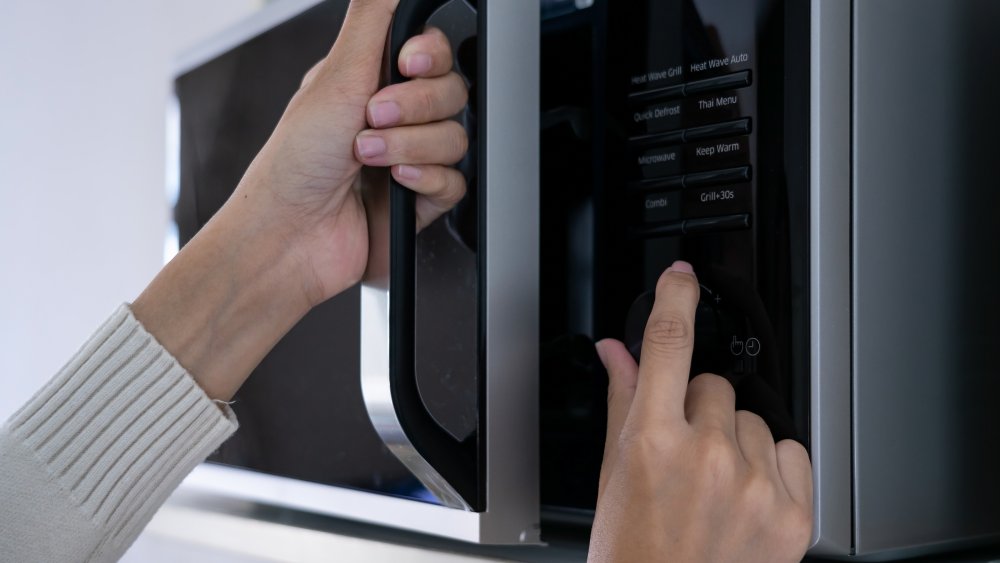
(444,465)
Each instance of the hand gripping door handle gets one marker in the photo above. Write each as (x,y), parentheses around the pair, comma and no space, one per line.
(447,467)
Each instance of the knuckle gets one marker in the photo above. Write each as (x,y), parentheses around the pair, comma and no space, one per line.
(398,146)
(796,527)
(460,141)
(668,331)
(712,384)
(454,189)
(752,421)
(791,448)
(645,454)
(457,85)
(716,455)
(759,492)
(439,41)
(426,103)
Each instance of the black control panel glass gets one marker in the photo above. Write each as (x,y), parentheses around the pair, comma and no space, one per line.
(695,152)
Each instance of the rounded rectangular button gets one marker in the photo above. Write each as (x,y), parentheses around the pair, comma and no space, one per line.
(675,91)
(725,82)
(659,162)
(663,230)
(669,138)
(715,201)
(657,118)
(724,153)
(658,208)
(715,224)
(713,108)
(728,129)
(658,184)
(714,177)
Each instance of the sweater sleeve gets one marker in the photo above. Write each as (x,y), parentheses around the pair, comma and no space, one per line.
(89,459)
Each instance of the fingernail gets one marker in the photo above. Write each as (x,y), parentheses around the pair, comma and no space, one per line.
(370,146)
(408,172)
(681,266)
(601,353)
(417,63)
(384,114)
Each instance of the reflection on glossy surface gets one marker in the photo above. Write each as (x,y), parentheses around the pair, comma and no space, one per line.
(447,339)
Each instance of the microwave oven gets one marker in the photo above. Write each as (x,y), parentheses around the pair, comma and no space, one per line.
(826,165)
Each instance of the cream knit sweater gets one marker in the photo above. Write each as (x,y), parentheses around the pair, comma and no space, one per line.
(89,459)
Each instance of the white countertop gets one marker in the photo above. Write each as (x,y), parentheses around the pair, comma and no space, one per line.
(196,527)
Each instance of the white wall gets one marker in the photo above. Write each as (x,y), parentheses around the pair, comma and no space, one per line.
(83,90)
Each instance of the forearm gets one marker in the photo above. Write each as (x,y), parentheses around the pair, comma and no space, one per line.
(227,298)
(87,461)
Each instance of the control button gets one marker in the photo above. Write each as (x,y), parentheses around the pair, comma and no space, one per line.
(727,199)
(665,230)
(736,346)
(713,108)
(714,224)
(657,118)
(659,162)
(676,91)
(753,347)
(730,129)
(713,155)
(713,177)
(658,208)
(726,82)
(669,138)
(660,184)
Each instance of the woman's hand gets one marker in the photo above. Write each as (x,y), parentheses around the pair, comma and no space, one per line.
(308,174)
(295,233)
(687,478)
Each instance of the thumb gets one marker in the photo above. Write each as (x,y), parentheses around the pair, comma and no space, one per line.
(623,374)
(357,53)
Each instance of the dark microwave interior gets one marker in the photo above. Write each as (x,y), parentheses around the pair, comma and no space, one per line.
(670,129)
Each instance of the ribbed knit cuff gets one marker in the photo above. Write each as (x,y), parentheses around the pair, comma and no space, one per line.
(120,426)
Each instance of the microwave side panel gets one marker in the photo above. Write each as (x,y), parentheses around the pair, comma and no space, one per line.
(830,294)
(926,265)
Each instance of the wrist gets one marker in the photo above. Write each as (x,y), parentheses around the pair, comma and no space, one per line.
(226,298)
(319,232)
(266,243)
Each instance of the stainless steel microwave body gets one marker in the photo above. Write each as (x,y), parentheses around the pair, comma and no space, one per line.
(826,165)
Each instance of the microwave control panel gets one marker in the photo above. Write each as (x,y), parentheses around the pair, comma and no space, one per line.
(697,173)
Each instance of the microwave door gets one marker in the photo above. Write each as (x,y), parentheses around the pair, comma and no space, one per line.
(451,449)
(449,314)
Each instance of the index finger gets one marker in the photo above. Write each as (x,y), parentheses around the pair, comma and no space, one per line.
(667,345)
(426,55)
